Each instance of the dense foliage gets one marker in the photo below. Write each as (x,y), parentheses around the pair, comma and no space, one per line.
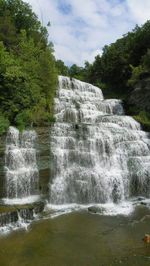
(28,69)
(28,74)
(62,68)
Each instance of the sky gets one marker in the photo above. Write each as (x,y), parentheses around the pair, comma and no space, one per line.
(80,28)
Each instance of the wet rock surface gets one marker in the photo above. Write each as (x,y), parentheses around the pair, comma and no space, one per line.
(140,97)
(11,214)
(43,159)
(96,209)
(2,162)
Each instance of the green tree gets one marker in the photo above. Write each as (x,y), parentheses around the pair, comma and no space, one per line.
(23,16)
(7,30)
(76,72)
(62,69)
(28,75)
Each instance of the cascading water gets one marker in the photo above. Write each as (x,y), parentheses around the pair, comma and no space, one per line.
(20,164)
(99,155)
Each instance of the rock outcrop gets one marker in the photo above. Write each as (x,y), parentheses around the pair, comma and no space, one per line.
(140,97)
(11,214)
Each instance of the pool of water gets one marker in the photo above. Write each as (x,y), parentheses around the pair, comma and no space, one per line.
(80,239)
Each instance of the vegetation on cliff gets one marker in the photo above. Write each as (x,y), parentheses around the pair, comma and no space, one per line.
(120,69)
(28,75)
(28,69)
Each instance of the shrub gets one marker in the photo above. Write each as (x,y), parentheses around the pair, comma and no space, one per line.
(143,118)
(4,124)
(24,119)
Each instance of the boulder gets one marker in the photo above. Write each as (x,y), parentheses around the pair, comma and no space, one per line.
(96,209)
(39,206)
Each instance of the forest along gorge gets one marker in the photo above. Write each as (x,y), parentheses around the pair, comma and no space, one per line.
(98,161)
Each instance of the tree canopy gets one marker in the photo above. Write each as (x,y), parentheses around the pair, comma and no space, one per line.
(28,69)
(121,67)
(28,75)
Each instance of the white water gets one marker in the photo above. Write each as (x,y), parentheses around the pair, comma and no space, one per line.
(21,201)
(23,222)
(99,155)
(108,209)
(21,166)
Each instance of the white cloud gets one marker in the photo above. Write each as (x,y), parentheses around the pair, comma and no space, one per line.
(140,10)
(87,25)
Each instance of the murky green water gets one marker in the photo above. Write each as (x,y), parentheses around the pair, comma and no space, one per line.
(80,239)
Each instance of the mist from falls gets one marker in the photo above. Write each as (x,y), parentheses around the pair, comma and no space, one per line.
(98,154)
(20,164)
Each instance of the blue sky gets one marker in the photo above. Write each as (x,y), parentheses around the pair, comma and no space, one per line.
(80,28)
(64,7)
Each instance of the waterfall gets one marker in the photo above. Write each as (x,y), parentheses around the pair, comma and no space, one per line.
(99,154)
(20,164)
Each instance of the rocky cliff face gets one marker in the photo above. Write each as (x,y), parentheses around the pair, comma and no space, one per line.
(140,97)
(2,163)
